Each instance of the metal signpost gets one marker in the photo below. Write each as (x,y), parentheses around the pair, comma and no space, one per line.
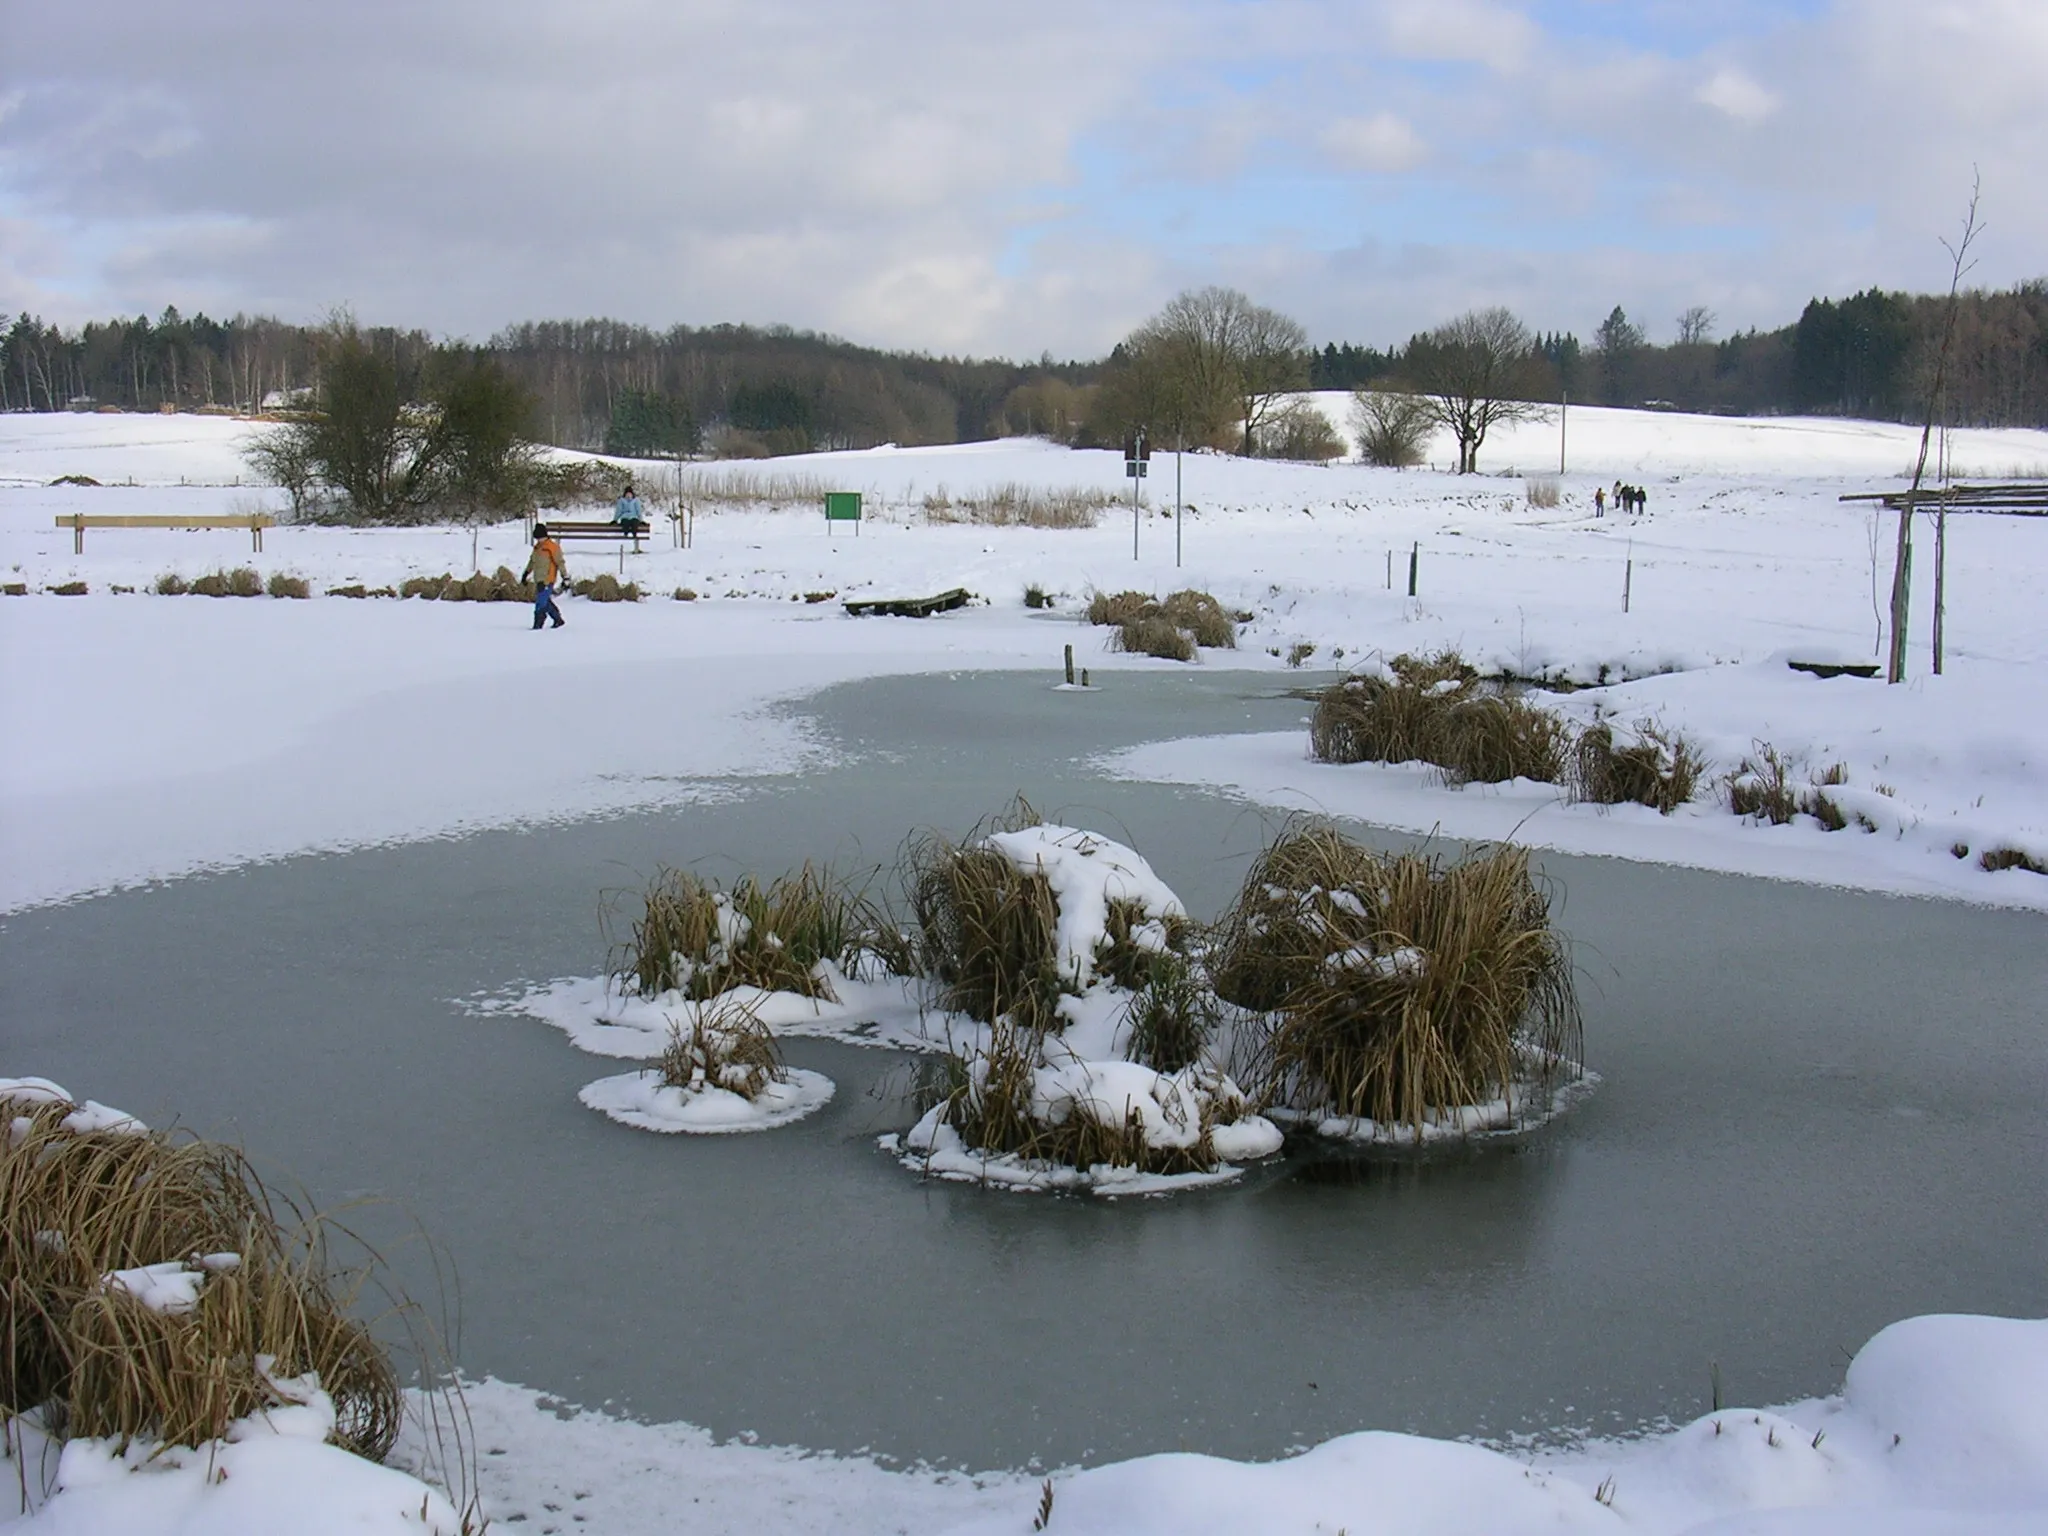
(1137,461)
(842,507)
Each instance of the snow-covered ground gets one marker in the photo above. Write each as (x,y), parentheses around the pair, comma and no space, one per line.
(154,736)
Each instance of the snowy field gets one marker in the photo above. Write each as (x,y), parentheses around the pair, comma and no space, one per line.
(155,736)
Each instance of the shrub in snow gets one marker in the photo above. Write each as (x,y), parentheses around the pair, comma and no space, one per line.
(780,937)
(151,1293)
(1397,989)
(1172,629)
(1658,768)
(281,585)
(1435,709)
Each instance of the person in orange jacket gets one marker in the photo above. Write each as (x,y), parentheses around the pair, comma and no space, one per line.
(544,568)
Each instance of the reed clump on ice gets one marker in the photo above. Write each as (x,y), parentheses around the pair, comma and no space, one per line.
(727,1046)
(152,1289)
(780,937)
(1397,987)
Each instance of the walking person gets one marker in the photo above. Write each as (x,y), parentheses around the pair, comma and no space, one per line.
(544,568)
(1599,501)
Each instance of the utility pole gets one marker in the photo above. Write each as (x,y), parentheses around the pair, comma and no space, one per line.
(1564,416)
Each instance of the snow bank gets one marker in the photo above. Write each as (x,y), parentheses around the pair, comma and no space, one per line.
(1942,1427)
(274,1472)
(643,1101)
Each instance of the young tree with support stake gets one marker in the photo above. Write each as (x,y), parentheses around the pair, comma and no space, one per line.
(1902,560)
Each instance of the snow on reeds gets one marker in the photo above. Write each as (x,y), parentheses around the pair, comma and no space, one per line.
(1396,987)
(780,937)
(1436,709)
(155,1290)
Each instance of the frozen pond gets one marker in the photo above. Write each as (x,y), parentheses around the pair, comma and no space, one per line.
(1821,1112)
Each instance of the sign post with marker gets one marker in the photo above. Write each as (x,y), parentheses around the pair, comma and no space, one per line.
(1137,462)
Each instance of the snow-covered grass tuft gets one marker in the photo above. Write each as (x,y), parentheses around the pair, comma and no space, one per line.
(725,1073)
(1025,1113)
(1659,768)
(1396,988)
(780,937)
(1435,709)
(153,1292)
(987,930)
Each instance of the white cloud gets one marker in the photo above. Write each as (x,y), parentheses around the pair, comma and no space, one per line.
(1382,142)
(1736,95)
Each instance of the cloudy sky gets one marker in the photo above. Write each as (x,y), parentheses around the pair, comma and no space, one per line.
(1009,178)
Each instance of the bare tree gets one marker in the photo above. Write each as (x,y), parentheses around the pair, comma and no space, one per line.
(1390,427)
(1220,361)
(1902,560)
(1476,371)
(1696,326)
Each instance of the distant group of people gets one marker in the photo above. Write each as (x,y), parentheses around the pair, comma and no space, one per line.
(1627,498)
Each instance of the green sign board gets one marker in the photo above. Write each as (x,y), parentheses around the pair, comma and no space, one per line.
(842,506)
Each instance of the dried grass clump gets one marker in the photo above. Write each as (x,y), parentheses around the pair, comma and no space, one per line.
(1020,506)
(429,587)
(727,1047)
(240,582)
(1116,609)
(1995,859)
(607,588)
(693,936)
(1542,491)
(986,930)
(1154,634)
(994,1108)
(1659,768)
(75,1207)
(1435,709)
(1173,1014)
(1763,787)
(67,589)
(1397,987)
(1202,617)
(281,585)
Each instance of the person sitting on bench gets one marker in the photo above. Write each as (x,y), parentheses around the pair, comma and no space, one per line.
(627,513)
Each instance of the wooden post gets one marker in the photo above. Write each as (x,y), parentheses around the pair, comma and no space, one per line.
(1390,570)
(1084,677)
(1628,577)
(78,533)
(1414,565)
(1070,666)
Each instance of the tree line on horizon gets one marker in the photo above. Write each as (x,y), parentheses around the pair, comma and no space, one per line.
(743,391)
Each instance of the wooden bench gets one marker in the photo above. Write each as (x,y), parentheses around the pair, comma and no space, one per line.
(604,530)
(78,522)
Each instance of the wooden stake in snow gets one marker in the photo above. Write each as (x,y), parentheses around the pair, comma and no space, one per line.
(1414,565)
(1070,666)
